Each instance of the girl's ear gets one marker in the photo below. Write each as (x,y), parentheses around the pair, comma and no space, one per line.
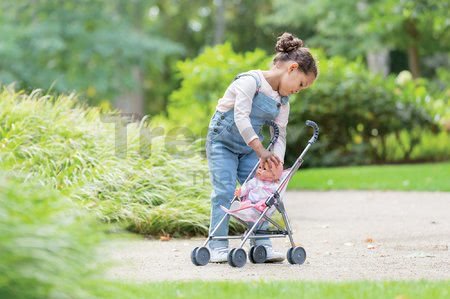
(293,66)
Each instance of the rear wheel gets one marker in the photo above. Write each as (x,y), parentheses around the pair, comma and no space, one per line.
(237,257)
(258,254)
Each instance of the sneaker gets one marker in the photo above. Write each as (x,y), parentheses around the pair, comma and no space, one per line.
(219,255)
(273,256)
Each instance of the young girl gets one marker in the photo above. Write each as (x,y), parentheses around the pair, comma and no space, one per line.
(234,139)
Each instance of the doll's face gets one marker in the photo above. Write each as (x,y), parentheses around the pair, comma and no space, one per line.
(264,173)
(293,79)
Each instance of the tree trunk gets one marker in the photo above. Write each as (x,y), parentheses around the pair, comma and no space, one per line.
(133,101)
(413,61)
(413,50)
(219,29)
(378,61)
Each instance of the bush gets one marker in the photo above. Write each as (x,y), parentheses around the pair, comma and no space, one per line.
(204,81)
(356,110)
(155,188)
(47,245)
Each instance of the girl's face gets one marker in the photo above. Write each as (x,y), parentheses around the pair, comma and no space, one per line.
(293,79)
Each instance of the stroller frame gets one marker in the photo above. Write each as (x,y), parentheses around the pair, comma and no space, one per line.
(237,256)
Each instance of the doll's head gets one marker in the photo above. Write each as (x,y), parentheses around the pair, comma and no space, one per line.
(295,65)
(264,173)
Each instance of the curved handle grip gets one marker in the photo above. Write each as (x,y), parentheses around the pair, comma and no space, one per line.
(312,124)
(276,131)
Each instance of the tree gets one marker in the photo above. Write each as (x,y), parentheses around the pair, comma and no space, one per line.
(419,27)
(362,27)
(76,45)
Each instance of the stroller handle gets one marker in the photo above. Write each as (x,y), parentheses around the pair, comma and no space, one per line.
(315,136)
(276,131)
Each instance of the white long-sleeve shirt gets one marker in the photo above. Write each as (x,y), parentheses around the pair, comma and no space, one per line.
(239,95)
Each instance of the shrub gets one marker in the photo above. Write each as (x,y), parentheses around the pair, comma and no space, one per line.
(204,80)
(157,188)
(47,244)
(356,110)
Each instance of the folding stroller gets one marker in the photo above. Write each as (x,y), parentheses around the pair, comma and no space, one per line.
(237,257)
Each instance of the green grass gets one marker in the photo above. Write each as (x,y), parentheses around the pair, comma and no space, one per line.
(282,289)
(411,177)
(46,243)
(60,143)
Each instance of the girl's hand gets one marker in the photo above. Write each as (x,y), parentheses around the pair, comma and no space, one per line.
(237,192)
(264,154)
(269,157)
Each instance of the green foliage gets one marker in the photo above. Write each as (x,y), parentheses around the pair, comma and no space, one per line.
(151,186)
(402,23)
(50,139)
(440,89)
(88,46)
(46,243)
(357,111)
(321,24)
(204,80)
(107,49)
(352,28)
(152,191)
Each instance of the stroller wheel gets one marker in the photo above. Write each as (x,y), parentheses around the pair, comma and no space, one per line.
(296,255)
(237,257)
(200,256)
(250,254)
(193,257)
(257,254)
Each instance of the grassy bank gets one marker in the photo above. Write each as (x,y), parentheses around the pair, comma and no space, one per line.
(118,170)
(284,289)
(412,177)
(47,243)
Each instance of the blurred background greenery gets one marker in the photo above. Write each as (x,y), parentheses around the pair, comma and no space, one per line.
(382,94)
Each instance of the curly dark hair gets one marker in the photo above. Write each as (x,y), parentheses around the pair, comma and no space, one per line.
(289,47)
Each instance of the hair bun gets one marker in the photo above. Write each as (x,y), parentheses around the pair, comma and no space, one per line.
(287,43)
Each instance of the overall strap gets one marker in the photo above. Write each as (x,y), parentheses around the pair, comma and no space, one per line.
(284,99)
(256,77)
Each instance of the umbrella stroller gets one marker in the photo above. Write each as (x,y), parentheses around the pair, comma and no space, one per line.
(253,215)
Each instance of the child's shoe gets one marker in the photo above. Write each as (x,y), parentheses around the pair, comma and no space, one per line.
(218,255)
(273,256)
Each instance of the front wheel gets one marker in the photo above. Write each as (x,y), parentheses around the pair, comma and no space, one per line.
(296,255)
(200,256)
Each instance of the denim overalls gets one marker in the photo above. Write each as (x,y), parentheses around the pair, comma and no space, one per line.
(230,158)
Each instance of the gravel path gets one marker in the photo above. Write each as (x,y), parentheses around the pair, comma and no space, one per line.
(348,235)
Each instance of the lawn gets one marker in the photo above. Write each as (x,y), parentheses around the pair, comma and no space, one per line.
(280,289)
(408,177)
